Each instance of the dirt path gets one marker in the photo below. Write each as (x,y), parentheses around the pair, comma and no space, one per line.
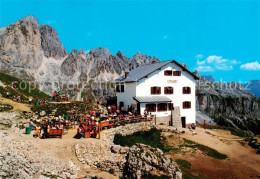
(16,106)
(242,162)
(64,150)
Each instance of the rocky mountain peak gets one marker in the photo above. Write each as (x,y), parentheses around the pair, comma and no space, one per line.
(141,59)
(101,52)
(51,45)
(82,52)
(29,19)
(120,54)
(72,63)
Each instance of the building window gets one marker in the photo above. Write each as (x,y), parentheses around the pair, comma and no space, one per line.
(168,90)
(122,88)
(162,107)
(167,72)
(117,88)
(170,106)
(186,104)
(176,73)
(121,104)
(186,90)
(151,107)
(155,90)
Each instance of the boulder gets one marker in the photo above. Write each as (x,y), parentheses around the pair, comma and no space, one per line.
(143,160)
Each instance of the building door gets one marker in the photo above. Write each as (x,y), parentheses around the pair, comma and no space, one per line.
(138,108)
(183,122)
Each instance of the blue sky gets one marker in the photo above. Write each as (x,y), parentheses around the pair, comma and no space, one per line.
(221,38)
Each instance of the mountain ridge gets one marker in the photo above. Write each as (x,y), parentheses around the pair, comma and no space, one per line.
(34,52)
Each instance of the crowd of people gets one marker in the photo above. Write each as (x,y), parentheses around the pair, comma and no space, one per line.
(89,123)
(46,123)
(59,96)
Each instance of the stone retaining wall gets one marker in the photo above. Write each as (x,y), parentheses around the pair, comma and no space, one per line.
(103,154)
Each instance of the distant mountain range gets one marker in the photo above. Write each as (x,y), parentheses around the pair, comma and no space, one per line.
(209,78)
(253,86)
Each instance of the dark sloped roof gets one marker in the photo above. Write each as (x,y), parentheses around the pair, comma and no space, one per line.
(144,70)
(152,99)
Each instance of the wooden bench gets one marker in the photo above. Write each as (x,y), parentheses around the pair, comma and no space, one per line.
(147,118)
(105,124)
(55,133)
(87,134)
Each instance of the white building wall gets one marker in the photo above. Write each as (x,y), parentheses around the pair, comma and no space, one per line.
(127,96)
(157,78)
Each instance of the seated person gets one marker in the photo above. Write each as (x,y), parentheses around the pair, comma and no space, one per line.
(31,124)
(81,131)
(45,131)
(193,126)
(60,126)
(37,131)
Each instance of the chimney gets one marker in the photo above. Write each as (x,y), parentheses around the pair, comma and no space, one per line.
(126,73)
(184,65)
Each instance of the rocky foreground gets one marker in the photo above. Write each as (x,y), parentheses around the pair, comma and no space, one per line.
(22,156)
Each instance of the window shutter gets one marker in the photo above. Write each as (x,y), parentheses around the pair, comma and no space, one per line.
(189,90)
(189,104)
(183,90)
(171,90)
(151,90)
(165,90)
(171,106)
(183,105)
(159,90)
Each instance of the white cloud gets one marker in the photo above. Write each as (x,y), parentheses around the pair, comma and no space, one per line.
(215,63)
(201,62)
(224,67)
(51,22)
(199,56)
(235,62)
(165,37)
(215,59)
(251,66)
(204,68)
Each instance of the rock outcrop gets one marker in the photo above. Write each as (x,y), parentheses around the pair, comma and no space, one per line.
(104,154)
(20,44)
(50,43)
(143,160)
(229,104)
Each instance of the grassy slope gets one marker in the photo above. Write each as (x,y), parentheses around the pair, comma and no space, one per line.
(23,88)
(152,138)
